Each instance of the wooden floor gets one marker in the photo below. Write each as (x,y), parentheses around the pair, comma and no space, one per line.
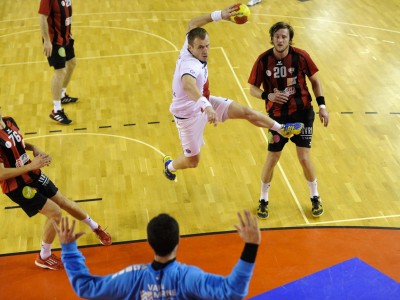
(110,157)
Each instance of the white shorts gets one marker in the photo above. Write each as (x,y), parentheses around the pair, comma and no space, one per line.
(191,130)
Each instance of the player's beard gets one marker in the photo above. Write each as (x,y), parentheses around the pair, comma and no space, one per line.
(281,50)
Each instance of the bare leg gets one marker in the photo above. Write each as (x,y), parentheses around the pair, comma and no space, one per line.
(69,206)
(70,67)
(238,111)
(269,165)
(57,83)
(183,162)
(53,212)
(304,157)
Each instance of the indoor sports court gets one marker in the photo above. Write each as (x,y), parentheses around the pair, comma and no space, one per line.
(109,159)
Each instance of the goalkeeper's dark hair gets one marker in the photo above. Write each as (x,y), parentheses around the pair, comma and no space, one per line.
(163,234)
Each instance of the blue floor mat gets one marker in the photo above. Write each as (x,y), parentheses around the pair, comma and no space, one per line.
(351,279)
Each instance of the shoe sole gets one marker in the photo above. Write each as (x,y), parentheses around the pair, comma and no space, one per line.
(69,102)
(59,121)
(317,216)
(105,243)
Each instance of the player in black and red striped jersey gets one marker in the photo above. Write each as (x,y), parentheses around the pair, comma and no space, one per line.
(24,183)
(58,46)
(282,72)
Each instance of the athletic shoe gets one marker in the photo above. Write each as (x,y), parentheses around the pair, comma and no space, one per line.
(52,262)
(289,129)
(60,117)
(317,210)
(67,99)
(169,174)
(262,210)
(253,2)
(104,236)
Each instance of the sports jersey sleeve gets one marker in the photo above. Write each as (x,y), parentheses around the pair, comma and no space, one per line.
(257,73)
(120,285)
(44,8)
(199,284)
(307,64)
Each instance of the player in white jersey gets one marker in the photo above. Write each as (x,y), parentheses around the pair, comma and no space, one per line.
(192,106)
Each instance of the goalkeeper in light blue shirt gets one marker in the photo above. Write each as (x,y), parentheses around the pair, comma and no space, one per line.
(164,278)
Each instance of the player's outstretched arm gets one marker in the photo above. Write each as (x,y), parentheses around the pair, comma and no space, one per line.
(248,228)
(215,16)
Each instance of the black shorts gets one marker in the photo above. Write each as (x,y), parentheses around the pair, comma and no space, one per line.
(61,54)
(33,196)
(306,117)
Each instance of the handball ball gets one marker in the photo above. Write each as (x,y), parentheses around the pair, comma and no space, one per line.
(243,13)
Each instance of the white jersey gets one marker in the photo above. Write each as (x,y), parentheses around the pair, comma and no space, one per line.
(182,106)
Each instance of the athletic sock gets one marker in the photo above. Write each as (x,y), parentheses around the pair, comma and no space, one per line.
(57,105)
(276,127)
(313,188)
(264,190)
(63,92)
(45,251)
(92,224)
(170,167)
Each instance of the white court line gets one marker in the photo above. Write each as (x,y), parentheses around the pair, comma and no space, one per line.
(98,134)
(266,139)
(356,219)
(93,57)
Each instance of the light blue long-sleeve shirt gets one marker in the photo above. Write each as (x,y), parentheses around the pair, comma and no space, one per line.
(174,281)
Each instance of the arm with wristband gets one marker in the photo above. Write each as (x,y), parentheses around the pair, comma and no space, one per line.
(317,89)
(214,16)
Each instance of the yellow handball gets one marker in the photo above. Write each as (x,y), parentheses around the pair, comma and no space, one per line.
(28,192)
(243,14)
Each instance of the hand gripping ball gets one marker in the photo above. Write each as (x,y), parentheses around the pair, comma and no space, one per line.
(243,13)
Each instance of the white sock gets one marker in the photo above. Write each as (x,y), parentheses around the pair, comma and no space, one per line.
(171,167)
(57,105)
(276,127)
(63,92)
(313,188)
(264,190)
(92,224)
(45,251)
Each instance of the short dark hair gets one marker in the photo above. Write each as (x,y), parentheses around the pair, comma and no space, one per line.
(281,25)
(163,234)
(197,32)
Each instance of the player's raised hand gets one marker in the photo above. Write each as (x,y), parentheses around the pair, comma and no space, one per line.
(248,228)
(65,233)
(229,11)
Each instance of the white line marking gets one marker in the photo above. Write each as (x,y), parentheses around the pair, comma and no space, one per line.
(356,219)
(97,134)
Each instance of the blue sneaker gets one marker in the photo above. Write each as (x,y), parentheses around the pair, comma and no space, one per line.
(170,175)
(289,129)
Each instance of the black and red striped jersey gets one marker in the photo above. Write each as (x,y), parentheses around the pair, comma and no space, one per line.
(287,75)
(59,19)
(13,155)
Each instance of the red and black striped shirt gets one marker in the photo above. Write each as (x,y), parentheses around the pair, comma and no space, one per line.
(286,75)
(13,155)
(59,19)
